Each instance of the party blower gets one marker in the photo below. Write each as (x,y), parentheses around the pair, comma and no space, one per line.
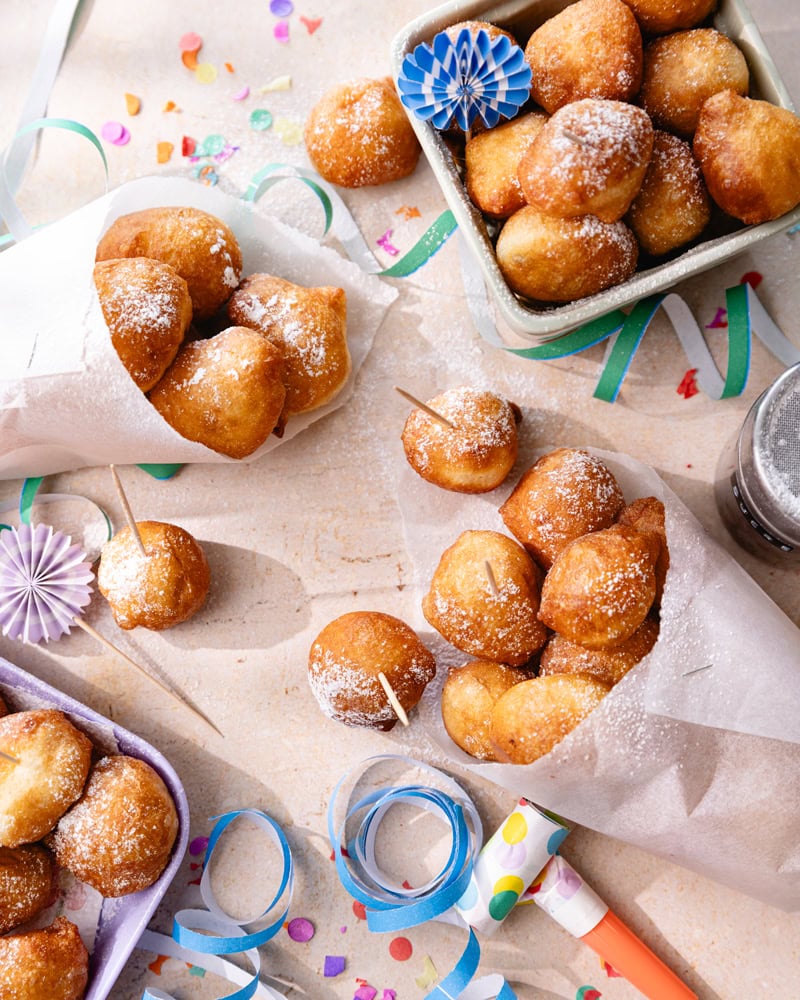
(503,869)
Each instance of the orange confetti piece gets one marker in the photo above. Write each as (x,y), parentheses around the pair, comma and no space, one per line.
(132,104)
(164,152)
(229,68)
(170,106)
(408,212)
(189,59)
(155,966)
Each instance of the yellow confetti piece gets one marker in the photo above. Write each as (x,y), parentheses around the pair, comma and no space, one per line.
(170,106)
(279,83)
(290,133)
(206,73)
(429,974)
(132,104)
(164,152)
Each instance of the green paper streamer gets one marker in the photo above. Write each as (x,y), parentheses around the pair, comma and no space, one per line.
(163,470)
(426,246)
(739,341)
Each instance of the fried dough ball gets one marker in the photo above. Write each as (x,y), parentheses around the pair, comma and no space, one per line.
(484,598)
(601,586)
(308,326)
(27,883)
(474,27)
(199,246)
(118,836)
(589,158)
(54,760)
(358,134)
(659,16)
(226,393)
(647,514)
(749,152)
(558,260)
(476,453)
(683,70)
(672,207)
(147,309)
(468,697)
(565,494)
(592,48)
(348,655)
(532,717)
(47,964)
(562,656)
(492,159)
(158,590)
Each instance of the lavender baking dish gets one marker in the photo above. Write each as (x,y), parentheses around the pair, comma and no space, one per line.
(121,920)
(540,322)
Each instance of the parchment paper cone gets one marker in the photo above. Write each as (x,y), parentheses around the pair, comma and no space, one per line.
(65,399)
(702,769)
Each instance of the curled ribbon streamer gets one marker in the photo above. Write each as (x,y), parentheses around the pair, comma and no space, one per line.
(18,226)
(226,935)
(391,907)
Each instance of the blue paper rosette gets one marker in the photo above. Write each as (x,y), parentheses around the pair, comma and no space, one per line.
(463,78)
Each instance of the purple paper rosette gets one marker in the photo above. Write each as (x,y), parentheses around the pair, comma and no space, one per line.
(463,78)
(44,582)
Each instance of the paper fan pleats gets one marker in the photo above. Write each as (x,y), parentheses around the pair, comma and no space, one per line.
(44,582)
(473,75)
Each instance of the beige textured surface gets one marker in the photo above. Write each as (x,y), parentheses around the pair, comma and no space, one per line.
(313,530)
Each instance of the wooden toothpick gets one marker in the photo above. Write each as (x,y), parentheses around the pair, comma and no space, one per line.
(399,711)
(491,578)
(127,509)
(424,407)
(114,649)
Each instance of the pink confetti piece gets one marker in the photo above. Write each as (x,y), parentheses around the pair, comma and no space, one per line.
(226,153)
(240,95)
(719,321)
(311,23)
(365,993)
(190,42)
(300,929)
(115,133)
(281,31)
(389,995)
(334,966)
(384,242)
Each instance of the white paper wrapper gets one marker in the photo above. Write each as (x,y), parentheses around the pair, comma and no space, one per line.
(699,768)
(65,399)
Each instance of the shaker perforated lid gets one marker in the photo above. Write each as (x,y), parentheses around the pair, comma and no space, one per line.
(769,457)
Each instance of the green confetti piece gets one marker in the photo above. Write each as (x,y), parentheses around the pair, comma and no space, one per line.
(210,146)
(260,119)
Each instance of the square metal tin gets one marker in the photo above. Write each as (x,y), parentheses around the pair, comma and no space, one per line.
(541,323)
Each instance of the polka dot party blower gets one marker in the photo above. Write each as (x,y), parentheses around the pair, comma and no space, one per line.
(503,875)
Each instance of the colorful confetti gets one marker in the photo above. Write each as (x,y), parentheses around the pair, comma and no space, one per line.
(279,83)
(229,67)
(226,153)
(189,60)
(610,971)
(360,910)
(752,278)
(206,73)
(188,146)
(240,95)
(300,929)
(164,152)
(389,995)
(400,949)
(211,145)
(281,8)
(170,106)
(588,993)
(719,321)
(260,119)
(334,966)
(385,242)
(132,104)
(365,993)
(190,42)
(408,212)
(311,23)
(195,970)
(115,133)
(208,175)
(155,965)
(281,32)
(688,384)
(290,133)
(429,974)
